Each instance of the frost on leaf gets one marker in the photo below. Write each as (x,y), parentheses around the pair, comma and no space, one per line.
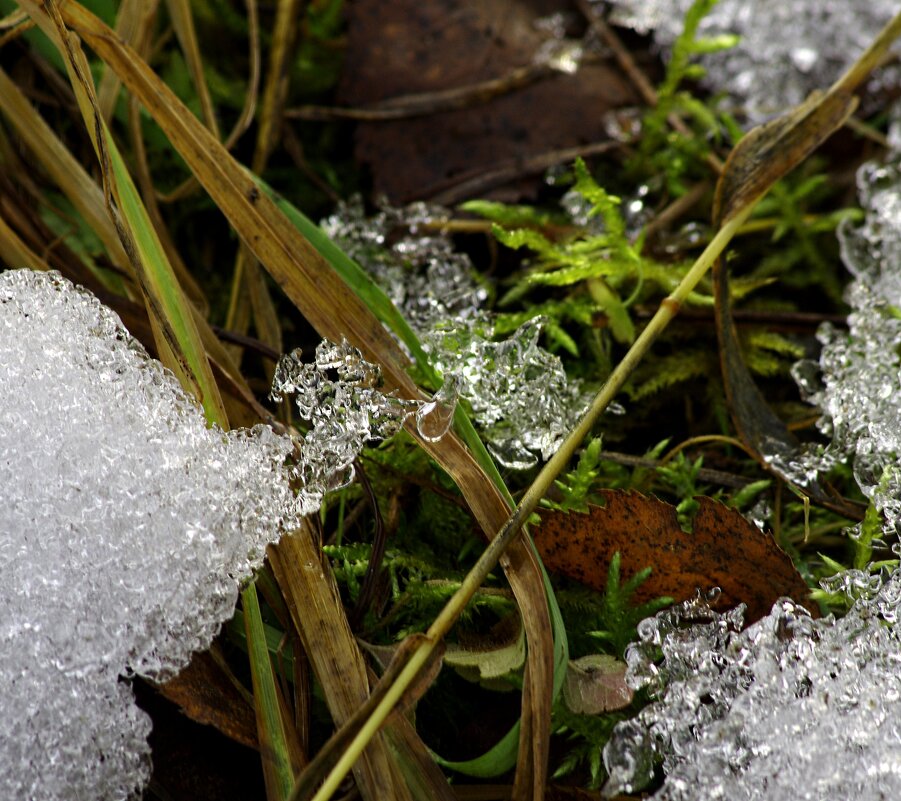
(791,708)
(518,391)
(787,48)
(126,525)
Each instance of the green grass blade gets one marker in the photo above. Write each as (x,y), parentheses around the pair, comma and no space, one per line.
(270,726)
(358,279)
(167,302)
(169,311)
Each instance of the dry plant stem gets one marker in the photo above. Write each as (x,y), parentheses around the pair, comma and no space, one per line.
(425,103)
(690,443)
(705,474)
(471,183)
(490,556)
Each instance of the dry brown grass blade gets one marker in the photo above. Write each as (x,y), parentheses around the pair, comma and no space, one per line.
(296,266)
(87,198)
(336,312)
(248,110)
(253,80)
(142,43)
(15,253)
(130,20)
(425,779)
(330,646)
(65,170)
(169,311)
(183,23)
(247,282)
(73,180)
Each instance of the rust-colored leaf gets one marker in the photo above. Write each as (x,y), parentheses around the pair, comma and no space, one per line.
(206,695)
(723,550)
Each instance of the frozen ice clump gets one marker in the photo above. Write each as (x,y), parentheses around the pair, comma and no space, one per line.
(416,266)
(791,708)
(519,392)
(788,48)
(126,525)
(857,382)
(339,394)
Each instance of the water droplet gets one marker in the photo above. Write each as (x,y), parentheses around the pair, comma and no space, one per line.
(434,418)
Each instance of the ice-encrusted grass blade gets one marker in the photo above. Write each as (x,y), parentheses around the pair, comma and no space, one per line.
(357,279)
(529,502)
(502,756)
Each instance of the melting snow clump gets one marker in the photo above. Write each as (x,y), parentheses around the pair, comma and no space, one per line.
(787,48)
(126,525)
(519,392)
(857,382)
(791,708)
(339,394)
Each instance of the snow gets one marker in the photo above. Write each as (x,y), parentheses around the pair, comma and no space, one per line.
(787,49)
(127,524)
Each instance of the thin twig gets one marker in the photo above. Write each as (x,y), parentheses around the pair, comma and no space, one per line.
(377,554)
(706,474)
(246,341)
(475,182)
(675,210)
(422,104)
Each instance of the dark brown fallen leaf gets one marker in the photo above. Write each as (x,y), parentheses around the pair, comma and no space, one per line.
(723,550)
(206,695)
(419,46)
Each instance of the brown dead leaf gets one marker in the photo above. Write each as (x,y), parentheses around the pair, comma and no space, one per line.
(722,550)
(206,695)
(420,46)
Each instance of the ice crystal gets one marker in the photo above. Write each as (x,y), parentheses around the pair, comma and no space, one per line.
(518,391)
(788,48)
(126,524)
(338,393)
(857,382)
(406,254)
(790,708)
